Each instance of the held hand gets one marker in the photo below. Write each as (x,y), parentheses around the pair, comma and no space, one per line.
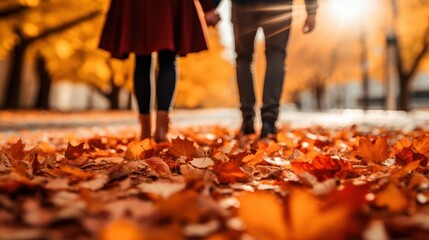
(310,23)
(212,18)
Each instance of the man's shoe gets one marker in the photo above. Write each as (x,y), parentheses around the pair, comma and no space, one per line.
(268,128)
(247,126)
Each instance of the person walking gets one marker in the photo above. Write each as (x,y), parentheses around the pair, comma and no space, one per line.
(167,27)
(275,19)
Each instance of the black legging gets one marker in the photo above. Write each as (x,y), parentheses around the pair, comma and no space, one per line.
(165,82)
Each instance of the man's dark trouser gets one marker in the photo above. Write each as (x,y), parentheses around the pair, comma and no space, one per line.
(275,20)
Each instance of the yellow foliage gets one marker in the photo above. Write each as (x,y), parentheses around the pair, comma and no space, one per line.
(206,79)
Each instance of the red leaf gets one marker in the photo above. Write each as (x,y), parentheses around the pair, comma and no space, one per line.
(17,150)
(73,152)
(324,167)
(407,155)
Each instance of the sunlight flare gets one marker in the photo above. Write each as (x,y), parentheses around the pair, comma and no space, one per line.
(348,10)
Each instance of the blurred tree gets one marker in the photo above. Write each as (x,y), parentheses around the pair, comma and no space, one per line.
(40,20)
(206,78)
(411,42)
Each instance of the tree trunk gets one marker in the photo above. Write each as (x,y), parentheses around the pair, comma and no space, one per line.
(45,81)
(130,100)
(319,92)
(114,97)
(14,77)
(404,95)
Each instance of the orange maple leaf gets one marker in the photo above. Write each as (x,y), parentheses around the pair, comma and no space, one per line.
(373,152)
(253,159)
(182,147)
(421,145)
(17,150)
(262,214)
(73,152)
(392,198)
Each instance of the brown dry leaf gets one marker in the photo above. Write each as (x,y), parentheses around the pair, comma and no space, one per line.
(73,152)
(262,214)
(122,229)
(182,147)
(391,198)
(17,150)
(373,152)
(203,162)
(159,166)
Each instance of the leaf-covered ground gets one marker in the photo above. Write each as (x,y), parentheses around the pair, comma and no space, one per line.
(348,182)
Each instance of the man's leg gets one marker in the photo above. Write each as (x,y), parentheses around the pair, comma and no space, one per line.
(276,25)
(244,34)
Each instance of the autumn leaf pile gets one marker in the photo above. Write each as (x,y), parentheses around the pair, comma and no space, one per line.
(209,183)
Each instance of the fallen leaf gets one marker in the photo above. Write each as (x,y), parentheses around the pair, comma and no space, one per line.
(262,214)
(75,172)
(203,162)
(407,155)
(391,198)
(305,209)
(230,172)
(252,160)
(35,215)
(162,189)
(95,184)
(17,150)
(73,152)
(136,150)
(122,229)
(325,167)
(159,166)
(421,145)
(373,152)
(182,147)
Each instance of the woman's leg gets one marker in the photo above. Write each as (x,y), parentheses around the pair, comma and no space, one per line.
(166,81)
(142,91)
(165,86)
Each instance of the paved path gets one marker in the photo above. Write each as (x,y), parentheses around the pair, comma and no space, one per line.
(17,122)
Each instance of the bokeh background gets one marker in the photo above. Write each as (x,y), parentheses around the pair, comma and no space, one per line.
(364,54)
